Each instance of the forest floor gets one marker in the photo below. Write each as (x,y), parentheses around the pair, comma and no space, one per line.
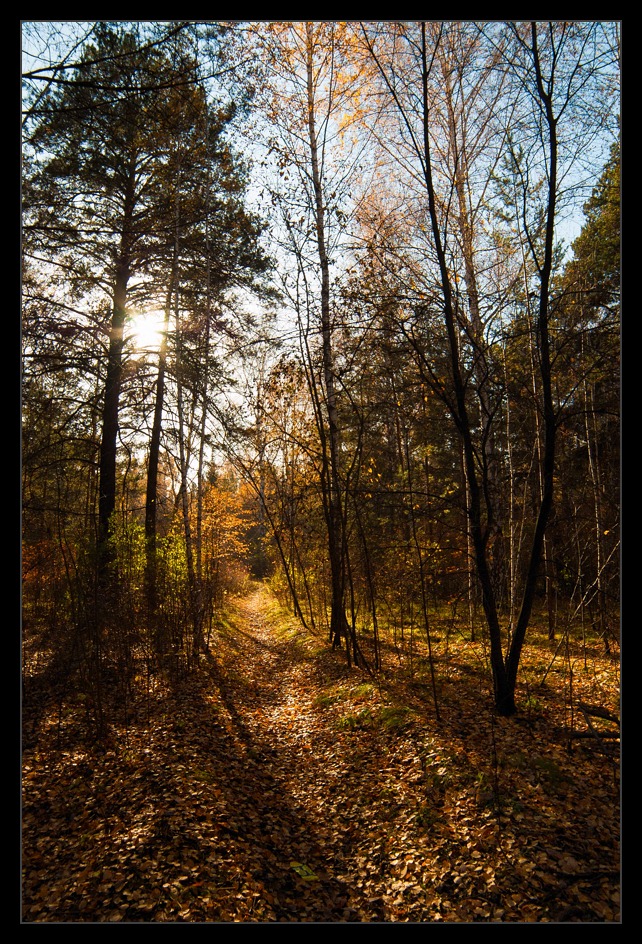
(276,784)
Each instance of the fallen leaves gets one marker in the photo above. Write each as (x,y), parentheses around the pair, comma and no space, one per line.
(244,795)
(304,872)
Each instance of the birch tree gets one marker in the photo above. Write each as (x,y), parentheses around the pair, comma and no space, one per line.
(549,70)
(305,97)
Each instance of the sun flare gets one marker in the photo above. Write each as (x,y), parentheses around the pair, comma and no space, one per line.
(145,330)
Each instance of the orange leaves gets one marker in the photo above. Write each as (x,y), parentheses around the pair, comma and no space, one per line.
(242,799)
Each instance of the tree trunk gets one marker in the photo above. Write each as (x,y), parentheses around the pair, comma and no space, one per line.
(550,424)
(338,620)
(113,382)
(151,495)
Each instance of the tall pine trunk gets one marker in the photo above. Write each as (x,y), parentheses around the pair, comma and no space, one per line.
(111,402)
(151,494)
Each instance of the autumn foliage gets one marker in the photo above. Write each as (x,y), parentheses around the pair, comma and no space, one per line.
(321,577)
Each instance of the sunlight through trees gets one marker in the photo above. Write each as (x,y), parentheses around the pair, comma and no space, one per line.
(297,307)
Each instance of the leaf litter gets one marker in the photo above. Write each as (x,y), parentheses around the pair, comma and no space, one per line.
(275,784)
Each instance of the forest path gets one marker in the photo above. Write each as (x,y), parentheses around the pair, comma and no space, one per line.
(253,789)
(394,814)
(307,793)
(273,783)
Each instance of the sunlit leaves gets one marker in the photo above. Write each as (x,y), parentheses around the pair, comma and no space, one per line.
(221,798)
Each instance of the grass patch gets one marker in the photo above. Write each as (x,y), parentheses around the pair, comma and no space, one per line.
(394,717)
(388,718)
(351,722)
(324,701)
(363,691)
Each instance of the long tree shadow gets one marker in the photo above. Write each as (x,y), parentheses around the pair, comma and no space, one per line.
(254,819)
(208,822)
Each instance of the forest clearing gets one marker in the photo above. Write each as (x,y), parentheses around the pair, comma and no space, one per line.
(273,755)
(320,471)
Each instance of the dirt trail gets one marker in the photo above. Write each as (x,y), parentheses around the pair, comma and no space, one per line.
(237,795)
(274,784)
(297,764)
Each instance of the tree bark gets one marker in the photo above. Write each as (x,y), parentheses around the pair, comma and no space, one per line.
(113,383)
(338,620)
(151,494)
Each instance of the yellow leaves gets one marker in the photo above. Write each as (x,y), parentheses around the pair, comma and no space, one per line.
(304,872)
(273,812)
